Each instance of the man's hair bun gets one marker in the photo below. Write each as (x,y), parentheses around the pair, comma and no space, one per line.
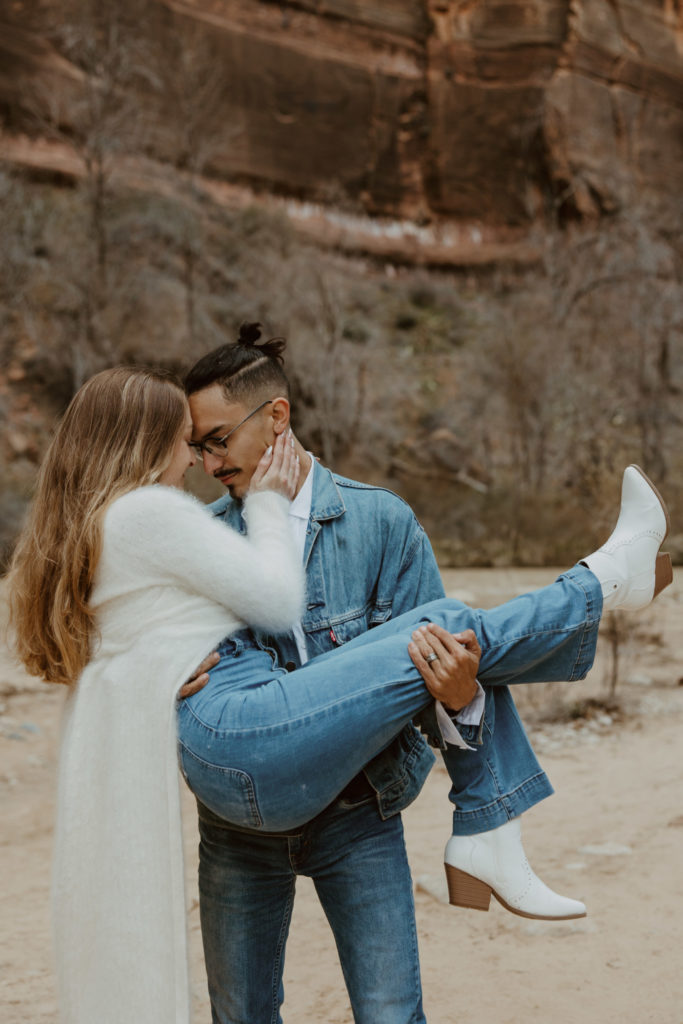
(250,334)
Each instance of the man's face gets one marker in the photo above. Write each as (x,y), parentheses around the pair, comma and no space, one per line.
(212,417)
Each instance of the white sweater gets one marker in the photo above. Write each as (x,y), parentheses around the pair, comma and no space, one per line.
(170,584)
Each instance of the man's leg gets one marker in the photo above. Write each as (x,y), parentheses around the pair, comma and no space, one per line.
(246,893)
(360,870)
(500,777)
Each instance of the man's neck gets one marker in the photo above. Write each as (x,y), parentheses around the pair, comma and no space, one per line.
(305,461)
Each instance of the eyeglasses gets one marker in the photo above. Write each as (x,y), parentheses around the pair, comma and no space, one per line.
(218,445)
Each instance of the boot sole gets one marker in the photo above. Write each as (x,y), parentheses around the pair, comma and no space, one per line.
(472,894)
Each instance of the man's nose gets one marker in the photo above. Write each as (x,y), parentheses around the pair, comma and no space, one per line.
(211,462)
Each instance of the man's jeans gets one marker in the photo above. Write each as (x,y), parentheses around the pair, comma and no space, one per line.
(359,868)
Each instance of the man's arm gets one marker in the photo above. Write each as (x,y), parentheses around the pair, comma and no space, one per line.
(419,581)
(199,677)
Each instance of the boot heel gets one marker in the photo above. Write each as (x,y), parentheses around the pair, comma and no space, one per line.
(664,574)
(466,891)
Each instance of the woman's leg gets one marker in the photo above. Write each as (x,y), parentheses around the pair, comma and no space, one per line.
(296,740)
(546,635)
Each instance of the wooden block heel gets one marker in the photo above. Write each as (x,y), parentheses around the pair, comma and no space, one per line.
(466,891)
(664,574)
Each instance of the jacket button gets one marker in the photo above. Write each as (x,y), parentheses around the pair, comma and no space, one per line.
(290,666)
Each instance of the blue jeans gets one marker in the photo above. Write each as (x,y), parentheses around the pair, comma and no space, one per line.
(360,871)
(267,749)
(247,877)
(485,787)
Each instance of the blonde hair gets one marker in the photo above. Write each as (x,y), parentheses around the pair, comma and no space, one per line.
(117,434)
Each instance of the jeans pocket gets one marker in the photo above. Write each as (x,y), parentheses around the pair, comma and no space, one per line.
(228,792)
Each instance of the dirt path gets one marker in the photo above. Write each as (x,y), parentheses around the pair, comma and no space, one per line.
(612,836)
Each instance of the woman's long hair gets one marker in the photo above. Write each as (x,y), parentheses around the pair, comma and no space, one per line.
(117,434)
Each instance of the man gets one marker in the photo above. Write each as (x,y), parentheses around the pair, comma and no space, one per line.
(367,559)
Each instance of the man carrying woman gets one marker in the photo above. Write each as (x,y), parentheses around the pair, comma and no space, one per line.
(367,560)
(120,583)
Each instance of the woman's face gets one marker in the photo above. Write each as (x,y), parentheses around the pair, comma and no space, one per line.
(183,456)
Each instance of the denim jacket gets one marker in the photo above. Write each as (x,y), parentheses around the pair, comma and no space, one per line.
(367,559)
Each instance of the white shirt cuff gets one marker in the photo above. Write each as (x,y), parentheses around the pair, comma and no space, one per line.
(471,714)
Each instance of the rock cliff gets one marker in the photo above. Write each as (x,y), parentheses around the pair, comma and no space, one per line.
(495,112)
(170,162)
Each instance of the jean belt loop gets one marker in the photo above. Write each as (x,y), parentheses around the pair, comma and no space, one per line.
(231,645)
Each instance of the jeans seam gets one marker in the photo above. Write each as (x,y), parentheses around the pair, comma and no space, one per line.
(418,1016)
(578,671)
(576,577)
(591,623)
(277,964)
(492,773)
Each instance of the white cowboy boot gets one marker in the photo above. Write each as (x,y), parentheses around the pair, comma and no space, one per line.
(629,566)
(495,863)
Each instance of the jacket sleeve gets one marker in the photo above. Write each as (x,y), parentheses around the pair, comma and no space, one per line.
(167,537)
(418,580)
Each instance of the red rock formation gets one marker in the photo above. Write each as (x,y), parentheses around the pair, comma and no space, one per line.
(491,111)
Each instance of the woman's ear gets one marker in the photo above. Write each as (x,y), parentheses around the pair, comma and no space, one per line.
(279,412)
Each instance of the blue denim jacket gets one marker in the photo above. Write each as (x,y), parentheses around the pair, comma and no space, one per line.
(367,559)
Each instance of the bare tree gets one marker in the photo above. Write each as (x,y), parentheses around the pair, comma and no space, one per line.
(94,111)
(191,86)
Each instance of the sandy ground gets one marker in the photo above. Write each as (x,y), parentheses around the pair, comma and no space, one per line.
(612,836)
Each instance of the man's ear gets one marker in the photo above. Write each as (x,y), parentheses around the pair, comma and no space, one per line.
(279,412)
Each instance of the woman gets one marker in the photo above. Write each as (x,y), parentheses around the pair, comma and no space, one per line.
(121,584)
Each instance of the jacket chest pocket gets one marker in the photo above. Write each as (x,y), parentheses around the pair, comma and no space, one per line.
(335,631)
(347,627)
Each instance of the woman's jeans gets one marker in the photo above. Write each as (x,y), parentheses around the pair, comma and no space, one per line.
(269,750)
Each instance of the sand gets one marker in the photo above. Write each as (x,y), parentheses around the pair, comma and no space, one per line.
(612,836)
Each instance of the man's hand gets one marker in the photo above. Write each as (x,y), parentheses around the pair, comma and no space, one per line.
(199,677)
(452,677)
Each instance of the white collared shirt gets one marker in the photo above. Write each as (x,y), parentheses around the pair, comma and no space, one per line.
(299,515)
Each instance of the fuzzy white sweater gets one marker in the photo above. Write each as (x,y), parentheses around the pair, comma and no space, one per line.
(171,583)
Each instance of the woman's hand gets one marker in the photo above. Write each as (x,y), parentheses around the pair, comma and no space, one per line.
(450,677)
(278,469)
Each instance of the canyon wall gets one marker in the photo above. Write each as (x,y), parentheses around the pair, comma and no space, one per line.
(465,215)
(500,112)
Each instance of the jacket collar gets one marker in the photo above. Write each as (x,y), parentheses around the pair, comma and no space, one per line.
(327,502)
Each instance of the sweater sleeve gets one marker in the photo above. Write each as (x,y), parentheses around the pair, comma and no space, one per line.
(165,536)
